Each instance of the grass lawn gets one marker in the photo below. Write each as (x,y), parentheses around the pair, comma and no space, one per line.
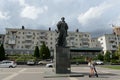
(112,66)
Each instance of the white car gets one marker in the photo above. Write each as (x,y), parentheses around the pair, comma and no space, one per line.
(44,62)
(50,65)
(98,62)
(30,62)
(8,64)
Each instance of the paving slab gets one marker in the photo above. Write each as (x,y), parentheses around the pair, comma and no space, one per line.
(51,74)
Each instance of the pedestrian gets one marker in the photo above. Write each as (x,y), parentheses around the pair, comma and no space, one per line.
(93,71)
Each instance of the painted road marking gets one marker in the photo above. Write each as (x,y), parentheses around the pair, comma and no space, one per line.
(71,78)
(32,72)
(15,74)
(105,72)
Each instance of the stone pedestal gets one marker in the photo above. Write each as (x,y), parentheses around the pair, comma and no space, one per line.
(62,60)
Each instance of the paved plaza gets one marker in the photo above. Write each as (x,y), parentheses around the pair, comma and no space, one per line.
(38,73)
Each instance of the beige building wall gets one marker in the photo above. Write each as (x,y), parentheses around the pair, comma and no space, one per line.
(116,30)
(27,39)
(95,43)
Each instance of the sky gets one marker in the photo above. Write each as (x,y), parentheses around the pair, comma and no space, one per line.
(94,16)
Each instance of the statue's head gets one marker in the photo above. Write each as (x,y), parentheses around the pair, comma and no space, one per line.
(62,18)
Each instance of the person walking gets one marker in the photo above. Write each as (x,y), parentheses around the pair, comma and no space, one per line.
(93,71)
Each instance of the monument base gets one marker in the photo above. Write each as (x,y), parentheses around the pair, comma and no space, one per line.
(62,60)
(62,66)
(51,74)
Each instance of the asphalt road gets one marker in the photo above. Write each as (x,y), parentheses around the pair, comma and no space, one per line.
(24,72)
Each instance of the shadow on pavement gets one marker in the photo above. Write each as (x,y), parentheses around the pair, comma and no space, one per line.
(100,75)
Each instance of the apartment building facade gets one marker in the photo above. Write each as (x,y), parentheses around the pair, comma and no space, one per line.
(95,43)
(109,42)
(23,41)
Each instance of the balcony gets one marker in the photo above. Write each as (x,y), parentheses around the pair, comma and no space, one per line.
(112,40)
(28,41)
(28,44)
(11,42)
(29,34)
(85,45)
(85,39)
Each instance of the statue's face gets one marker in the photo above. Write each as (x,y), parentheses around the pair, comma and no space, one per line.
(62,18)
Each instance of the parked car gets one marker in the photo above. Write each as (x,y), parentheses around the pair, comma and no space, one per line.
(50,65)
(44,62)
(8,64)
(98,62)
(30,62)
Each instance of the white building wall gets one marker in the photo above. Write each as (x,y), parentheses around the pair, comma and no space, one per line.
(109,42)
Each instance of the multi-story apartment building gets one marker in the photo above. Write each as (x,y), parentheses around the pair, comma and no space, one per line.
(78,39)
(95,43)
(24,40)
(109,42)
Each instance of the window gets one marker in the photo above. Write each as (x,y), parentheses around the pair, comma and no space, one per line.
(6,46)
(18,41)
(51,48)
(22,47)
(50,42)
(29,32)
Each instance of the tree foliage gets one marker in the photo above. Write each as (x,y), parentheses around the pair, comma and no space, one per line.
(107,56)
(36,52)
(44,52)
(2,52)
(47,52)
(100,57)
(117,53)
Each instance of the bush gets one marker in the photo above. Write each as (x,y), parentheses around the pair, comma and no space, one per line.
(78,61)
(115,62)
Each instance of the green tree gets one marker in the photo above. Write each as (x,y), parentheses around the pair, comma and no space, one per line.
(47,53)
(100,57)
(2,52)
(36,52)
(114,56)
(107,56)
(117,53)
(44,52)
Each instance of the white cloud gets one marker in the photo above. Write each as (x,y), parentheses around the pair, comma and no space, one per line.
(45,8)
(116,21)
(53,23)
(4,15)
(22,2)
(32,12)
(93,13)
